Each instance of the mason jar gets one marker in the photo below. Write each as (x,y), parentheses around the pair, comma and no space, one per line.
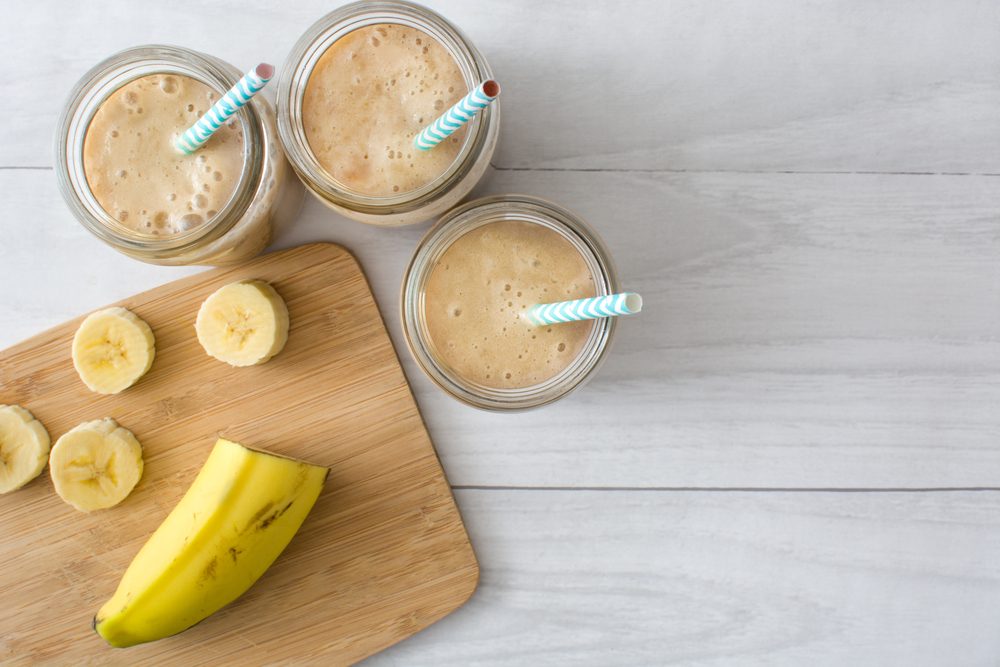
(265,197)
(465,220)
(391,208)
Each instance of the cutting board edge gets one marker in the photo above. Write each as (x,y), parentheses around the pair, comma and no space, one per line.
(193,279)
(476,571)
(468,575)
(444,473)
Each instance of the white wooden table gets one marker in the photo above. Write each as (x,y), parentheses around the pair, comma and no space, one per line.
(793,455)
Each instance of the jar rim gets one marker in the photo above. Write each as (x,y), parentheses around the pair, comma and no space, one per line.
(458,222)
(298,68)
(87,96)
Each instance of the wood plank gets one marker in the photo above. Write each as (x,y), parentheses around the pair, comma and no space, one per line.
(382,554)
(724,579)
(800,330)
(659,84)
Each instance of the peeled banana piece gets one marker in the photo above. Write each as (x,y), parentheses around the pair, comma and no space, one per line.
(24,447)
(243,324)
(112,349)
(240,513)
(95,465)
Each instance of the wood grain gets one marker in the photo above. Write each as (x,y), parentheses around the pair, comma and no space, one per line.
(383,553)
(660,84)
(800,330)
(724,579)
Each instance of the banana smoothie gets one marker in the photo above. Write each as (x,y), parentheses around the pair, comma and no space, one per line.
(368,95)
(478,290)
(135,172)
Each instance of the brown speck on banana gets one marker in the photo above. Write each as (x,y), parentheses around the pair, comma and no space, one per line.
(209,572)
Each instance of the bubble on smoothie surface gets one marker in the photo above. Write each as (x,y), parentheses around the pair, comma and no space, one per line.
(168,84)
(484,273)
(188,222)
(139,178)
(367,91)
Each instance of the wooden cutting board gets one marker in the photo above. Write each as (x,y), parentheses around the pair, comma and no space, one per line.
(384,552)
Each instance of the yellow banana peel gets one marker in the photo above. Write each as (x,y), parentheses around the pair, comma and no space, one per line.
(240,513)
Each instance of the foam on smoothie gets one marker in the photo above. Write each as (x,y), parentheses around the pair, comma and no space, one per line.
(368,96)
(135,172)
(478,290)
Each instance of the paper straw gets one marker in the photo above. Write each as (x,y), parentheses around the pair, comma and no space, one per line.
(457,116)
(228,104)
(624,303)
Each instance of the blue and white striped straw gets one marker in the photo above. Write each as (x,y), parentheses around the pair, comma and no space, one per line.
(457,116)
(624,303)
(244,90)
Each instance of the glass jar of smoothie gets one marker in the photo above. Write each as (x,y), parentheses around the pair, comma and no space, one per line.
(125,182)
(469,283)
(357,88)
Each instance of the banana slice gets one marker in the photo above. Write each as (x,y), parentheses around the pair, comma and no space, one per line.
(112,349)
(24,447)
(243,323)
(95,465)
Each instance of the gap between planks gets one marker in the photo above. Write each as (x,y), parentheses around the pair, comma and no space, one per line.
(731,489)
(612,170)
(804,172)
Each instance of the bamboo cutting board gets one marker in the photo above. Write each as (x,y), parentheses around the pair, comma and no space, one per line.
(383,553)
